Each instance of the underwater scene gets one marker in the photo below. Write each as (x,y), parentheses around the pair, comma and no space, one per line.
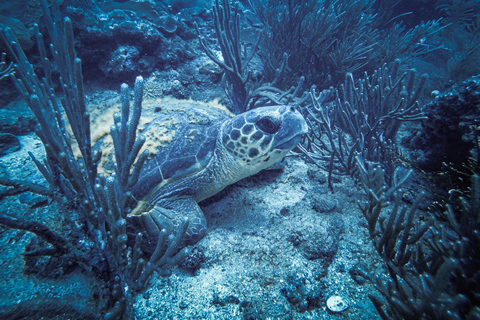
(251,159)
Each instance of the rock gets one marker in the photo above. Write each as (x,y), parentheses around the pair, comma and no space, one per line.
(322,205)
(211,70)
(172,52)
(23,35)
(317,175)
(318,240)
(123,62)
(101,41)
(167,24)
(451,127)
(17,119)
(303,293)
(8,144)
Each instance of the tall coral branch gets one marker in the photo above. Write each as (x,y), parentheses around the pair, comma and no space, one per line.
(103,201)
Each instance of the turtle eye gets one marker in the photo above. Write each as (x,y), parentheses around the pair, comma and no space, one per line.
(268,125)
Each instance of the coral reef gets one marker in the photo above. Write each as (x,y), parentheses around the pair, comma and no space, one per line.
(450,131)
(344,217)
(363,117)
(100,200)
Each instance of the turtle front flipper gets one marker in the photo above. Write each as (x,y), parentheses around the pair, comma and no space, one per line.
(168,215)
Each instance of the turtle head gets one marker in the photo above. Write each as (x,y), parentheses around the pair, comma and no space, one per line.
(260,137)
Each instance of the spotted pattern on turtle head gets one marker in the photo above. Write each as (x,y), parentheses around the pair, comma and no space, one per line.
(263,135)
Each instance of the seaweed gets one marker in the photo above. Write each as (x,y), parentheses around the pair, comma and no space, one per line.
(101,201)
(432,265)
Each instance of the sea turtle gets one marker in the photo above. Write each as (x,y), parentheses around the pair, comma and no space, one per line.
(208,152)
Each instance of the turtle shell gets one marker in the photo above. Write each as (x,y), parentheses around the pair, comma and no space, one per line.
(181,140)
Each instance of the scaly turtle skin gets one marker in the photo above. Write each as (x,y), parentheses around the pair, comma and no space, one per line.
(203,158)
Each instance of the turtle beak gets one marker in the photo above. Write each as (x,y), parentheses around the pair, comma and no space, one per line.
(293,128)
(290,144)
